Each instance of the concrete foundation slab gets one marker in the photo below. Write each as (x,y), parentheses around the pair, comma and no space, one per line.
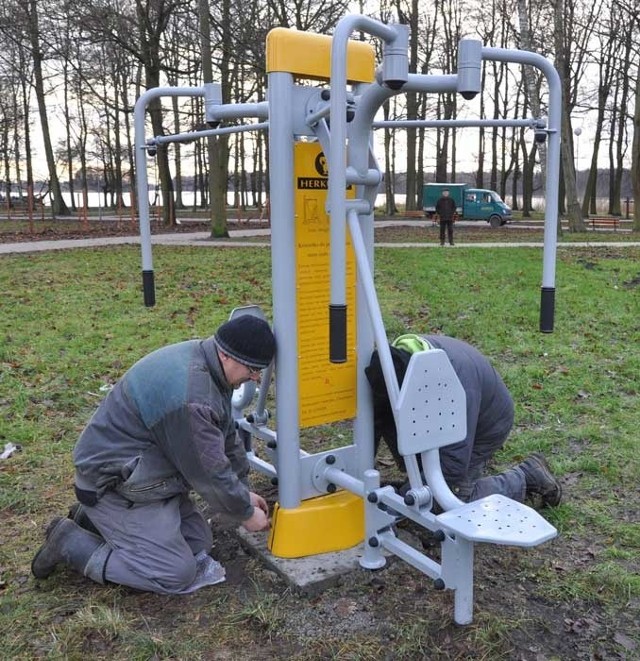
(309,575)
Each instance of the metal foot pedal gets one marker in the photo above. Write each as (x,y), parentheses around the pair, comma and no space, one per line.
(498,520)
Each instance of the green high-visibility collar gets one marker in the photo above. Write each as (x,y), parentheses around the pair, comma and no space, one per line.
(411,343)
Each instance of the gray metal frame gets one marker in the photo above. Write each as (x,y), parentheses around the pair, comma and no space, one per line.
(291,111)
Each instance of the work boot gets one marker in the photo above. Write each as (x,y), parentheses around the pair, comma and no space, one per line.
(78,514)
(540,480)
(68,544)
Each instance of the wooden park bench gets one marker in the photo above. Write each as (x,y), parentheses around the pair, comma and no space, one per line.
(603,222)
(417,213)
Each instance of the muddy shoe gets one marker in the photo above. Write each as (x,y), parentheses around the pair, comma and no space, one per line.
(68,544)
(540,480)
(78,514)
(48,556)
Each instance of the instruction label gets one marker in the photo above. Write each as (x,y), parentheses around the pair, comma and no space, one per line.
(327,391)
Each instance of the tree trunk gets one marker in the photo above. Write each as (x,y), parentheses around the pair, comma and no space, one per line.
(24,87)
(117,144)
(216,145)
(67,118)
(151,27)
(574,212)
(420,181)
(530,85)
(179,204)
(481,137)
(635,163)
(58,205)
(621,137)
(390,207)
(412,112)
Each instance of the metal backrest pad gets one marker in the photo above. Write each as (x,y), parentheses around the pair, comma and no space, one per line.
(431,409)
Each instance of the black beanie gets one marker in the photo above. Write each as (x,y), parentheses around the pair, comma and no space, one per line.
(375,376)
(248,340)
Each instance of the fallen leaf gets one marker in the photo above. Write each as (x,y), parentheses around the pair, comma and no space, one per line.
(345,607)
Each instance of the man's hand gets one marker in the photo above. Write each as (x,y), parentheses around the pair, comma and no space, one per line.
(259,501)
(258,520)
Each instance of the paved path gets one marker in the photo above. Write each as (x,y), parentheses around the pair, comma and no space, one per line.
(176,239)
(203,239)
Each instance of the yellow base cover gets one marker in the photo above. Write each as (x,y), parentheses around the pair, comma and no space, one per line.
(328,523)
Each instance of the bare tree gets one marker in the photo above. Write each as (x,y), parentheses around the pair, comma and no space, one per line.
(217,147)
(410,18)
(181,57)
(532,90)
(20,22)
(110,50)
(309,15)
(12,106)
(635,162)
(7,120)
(605,63)
(141,30)
(620,141)
(445,58)
(562,30)
(629,10)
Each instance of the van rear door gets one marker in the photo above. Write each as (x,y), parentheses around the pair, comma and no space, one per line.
(472,205)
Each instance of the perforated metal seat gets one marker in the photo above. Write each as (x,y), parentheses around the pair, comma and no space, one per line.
(431,414)
(497,519)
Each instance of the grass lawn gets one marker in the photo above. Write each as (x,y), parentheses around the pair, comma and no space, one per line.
(73,321)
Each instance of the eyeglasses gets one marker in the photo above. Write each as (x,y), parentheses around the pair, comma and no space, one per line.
(254,370)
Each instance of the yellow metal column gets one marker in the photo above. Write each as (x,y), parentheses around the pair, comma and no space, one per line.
(326,391)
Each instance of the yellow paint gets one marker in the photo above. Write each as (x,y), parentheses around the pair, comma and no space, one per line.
(308,55)
(320,525)
(326,390)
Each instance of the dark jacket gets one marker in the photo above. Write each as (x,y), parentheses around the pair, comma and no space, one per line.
(166,428)
(489,406)
(446,208)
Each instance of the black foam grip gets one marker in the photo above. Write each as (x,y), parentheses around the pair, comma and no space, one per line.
(547,309)
(148,288)
(338,333)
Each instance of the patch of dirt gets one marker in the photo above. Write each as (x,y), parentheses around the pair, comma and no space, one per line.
(396,604)
(397,607)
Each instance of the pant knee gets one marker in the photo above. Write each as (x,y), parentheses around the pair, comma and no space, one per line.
(178,577)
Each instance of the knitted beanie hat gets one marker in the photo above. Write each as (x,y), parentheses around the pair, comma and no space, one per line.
(248,340)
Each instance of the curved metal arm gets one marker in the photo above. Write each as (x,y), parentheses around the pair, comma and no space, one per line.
(547,296)
(337,173)
(142,181)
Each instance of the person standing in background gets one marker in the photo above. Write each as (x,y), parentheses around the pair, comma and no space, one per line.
(445,210)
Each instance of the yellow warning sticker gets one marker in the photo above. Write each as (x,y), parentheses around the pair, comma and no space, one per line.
(327,391)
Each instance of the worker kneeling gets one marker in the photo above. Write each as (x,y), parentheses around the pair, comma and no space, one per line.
(490,414)
(166,428)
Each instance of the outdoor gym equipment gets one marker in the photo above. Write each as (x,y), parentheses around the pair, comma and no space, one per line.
(323,183)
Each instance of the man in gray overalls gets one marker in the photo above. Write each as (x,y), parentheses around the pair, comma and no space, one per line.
(166,428)
(489,421)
